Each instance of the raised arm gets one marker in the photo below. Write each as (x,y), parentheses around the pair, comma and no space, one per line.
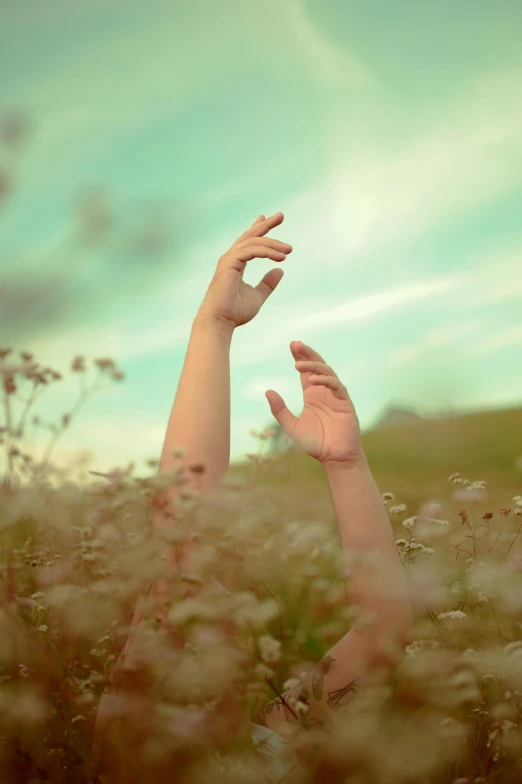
(328,430)
(199,422)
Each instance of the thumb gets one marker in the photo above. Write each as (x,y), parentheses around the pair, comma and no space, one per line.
(281,413)
(269,282)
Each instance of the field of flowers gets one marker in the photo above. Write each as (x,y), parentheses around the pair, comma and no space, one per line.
(75,558)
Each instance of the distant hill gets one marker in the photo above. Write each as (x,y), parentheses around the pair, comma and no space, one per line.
(396,415)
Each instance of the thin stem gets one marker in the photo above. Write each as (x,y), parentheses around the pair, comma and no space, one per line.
(255,468)
(79,403)
(459,551)
(7,408)
(270,592)
(32,400)
(282,698)
(510,546)
(438,626)
(498,537)
(497,625)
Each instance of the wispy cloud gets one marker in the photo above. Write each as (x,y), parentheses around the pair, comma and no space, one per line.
(441,337)
(383,195)
(378,303)
(327,314)
(324,60)
(160,61)
(502,338)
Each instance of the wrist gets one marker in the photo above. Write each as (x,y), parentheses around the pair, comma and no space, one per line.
(357,463)
(208,322)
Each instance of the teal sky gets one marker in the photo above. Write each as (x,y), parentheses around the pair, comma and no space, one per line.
(389,132)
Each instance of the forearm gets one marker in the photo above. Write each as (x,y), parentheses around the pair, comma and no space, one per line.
(199,421)
(366,530)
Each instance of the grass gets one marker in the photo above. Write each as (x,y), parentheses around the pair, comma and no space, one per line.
(74,560)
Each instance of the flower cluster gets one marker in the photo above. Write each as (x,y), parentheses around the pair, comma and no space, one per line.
(256,595)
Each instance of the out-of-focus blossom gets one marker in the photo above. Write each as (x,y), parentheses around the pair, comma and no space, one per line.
(454,615)
(269,648)
(409,523)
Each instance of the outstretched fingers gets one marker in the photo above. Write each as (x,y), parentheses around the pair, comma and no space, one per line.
(313,366)
(328,381)
(321,373)
(302,351)
(259,252)
(262,226)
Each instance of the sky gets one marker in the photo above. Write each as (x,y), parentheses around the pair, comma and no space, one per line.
(388,132)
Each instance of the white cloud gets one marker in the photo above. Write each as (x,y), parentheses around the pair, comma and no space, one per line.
(325,314)
(452,333)
(378,197)
(158,62)
(255,387)
(375,304)
(496,277)
(502,338)
(438,338)
(324,60)
(403,355)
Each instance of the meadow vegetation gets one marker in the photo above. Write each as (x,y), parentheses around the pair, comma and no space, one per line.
(75,557)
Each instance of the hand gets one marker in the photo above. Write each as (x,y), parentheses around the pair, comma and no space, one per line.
(328,428)
(229,298)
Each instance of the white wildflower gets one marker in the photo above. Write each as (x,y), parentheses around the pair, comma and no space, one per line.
(399,509)
(190,610)
(301,708)
(449,722)
(456,478)
(291,683)
(388,497)
(456,587)
(482,597)
(401,542)
(262,671)
(270,649)
(428,550)
(42,628)
(413,649)
(409,523)
(457,615)
(436,521)
(518,500)
(513,648)
(479,485)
